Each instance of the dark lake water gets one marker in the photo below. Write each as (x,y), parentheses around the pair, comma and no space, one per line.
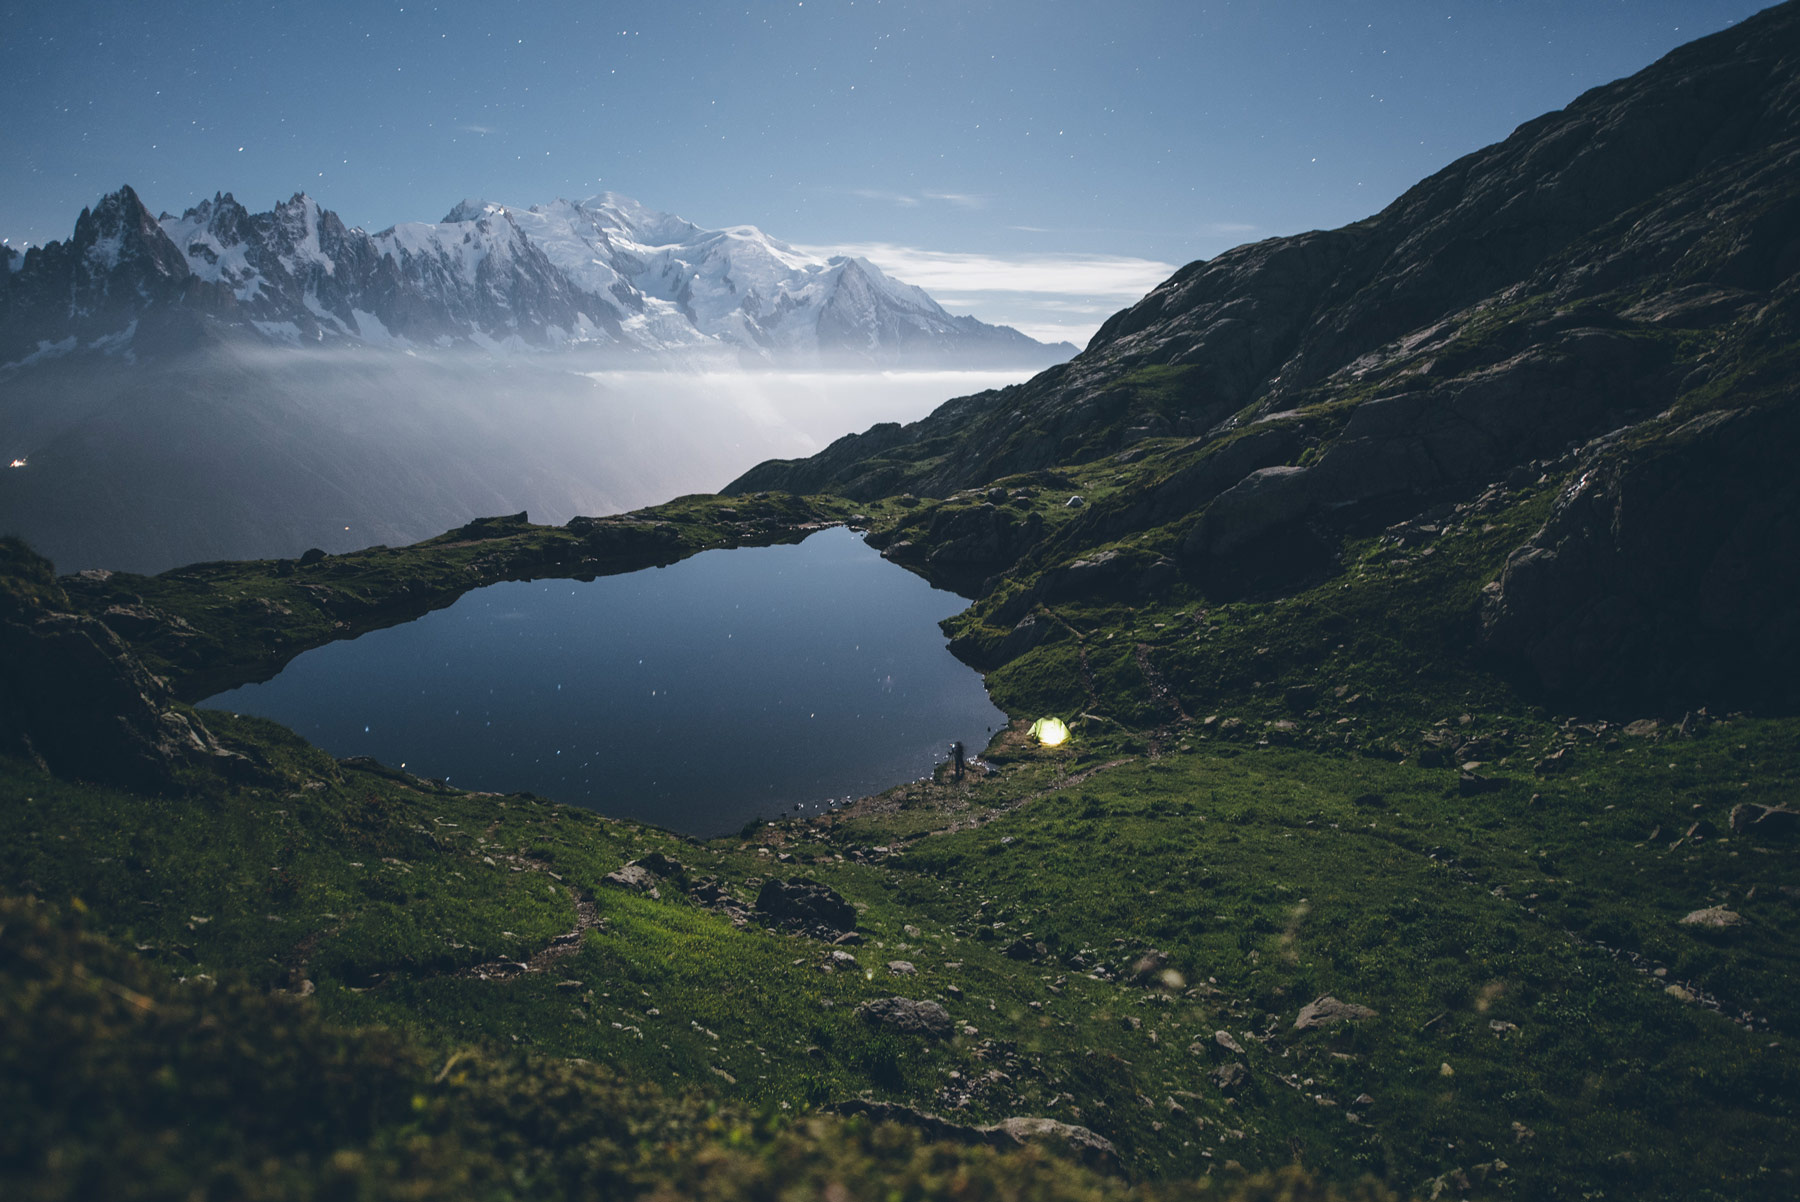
(732,685)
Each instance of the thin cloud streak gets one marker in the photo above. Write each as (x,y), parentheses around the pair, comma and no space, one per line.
(962,200)
(906,200)
(1112,276)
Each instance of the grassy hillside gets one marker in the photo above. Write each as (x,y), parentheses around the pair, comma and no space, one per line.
(1265,802)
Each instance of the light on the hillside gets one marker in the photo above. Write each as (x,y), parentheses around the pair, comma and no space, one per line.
(19,462)
(1051,732)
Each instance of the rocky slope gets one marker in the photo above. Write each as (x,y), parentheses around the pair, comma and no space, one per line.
(1582,292)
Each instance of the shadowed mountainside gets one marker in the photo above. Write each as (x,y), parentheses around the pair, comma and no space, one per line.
(1615,280)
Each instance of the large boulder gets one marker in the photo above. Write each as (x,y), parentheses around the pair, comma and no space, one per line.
(1327,1011)
(907,1016)
(1091,1149)
(805,904)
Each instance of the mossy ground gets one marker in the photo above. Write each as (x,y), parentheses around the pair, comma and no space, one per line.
(1267,792)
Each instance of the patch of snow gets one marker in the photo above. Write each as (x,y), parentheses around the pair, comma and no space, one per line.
(47,350)
(285,331)
(371,330)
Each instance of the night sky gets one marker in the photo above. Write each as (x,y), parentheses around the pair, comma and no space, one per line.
(1038,162)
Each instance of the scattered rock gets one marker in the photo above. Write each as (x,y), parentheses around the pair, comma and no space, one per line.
(1224,1040)
(901,968)
(632,877)
(1149,967)
(1328,1010)
(1230,1078)
(1712,916)
(907,1016)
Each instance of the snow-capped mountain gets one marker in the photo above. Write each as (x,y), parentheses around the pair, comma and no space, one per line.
(605,273)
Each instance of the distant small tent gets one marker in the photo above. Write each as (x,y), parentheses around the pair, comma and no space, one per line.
(1051,732)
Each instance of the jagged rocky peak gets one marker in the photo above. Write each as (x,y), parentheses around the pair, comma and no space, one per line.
(119,230)
(607,272)
(470,209)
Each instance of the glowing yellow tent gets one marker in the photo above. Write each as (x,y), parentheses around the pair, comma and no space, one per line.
(1051,732)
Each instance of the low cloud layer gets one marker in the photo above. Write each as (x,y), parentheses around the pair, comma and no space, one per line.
(253,452)
(1118,277)
(1051,297)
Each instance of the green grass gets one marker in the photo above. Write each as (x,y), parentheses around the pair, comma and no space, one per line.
(1266,790)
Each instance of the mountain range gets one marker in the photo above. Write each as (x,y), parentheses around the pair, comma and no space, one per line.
(604,274)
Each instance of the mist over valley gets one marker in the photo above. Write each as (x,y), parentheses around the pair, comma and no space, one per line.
(244,451)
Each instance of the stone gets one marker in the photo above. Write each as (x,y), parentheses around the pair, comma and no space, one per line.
(802,902)
(633,877)
(1327,1010)
(1470,784)
(1091,1149)
(1149,966)
(1776,822)
(907,1016)
(1716,917)
(1231,1078)
(901,968)
(1224,1040)
(1086,1146)
(659,864)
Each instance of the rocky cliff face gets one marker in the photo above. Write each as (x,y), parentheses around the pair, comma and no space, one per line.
(1612,278)
(75,697)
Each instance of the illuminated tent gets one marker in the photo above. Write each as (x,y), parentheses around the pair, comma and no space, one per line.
(1051,732)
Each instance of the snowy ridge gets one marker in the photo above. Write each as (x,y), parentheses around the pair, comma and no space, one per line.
(606,272)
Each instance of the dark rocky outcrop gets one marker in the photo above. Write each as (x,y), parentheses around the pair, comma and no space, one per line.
(1667,570)
(73,694)
(1766,822)
(804,904)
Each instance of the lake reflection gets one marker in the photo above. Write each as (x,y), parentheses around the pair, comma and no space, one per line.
(731,685)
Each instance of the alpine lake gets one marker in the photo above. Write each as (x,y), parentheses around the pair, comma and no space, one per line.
(734,685)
